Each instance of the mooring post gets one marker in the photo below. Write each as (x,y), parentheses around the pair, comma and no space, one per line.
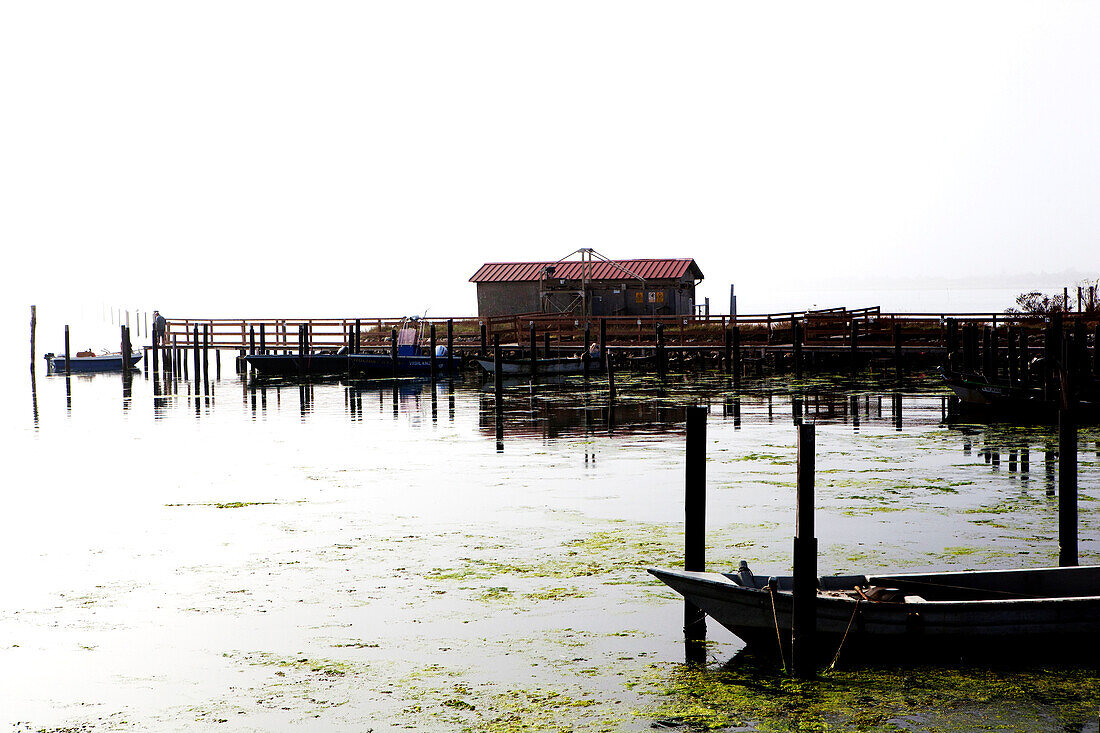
(450,346)
(156,356)
(498,376)
(1013,371)
(196,356)
(951,337)
(1025,372)
(534,352)
(484,341)
(546,343)
(124,348)
(695,513)
(206,350)
(359,336)
(728,336)
(1067,488)
(263,339)
(34,323)
(662,365)
(603,342)
(804,610)
(853,343)
(584,355)
(217,363)
(987,352)
(67,369)
(899,367)
(796,346)
(735,335)
(611,392)
(431,345)
(252,339)
(393,351)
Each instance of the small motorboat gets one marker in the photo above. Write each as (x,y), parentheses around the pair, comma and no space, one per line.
(553,366)
(1049,612)
(1001,397)
(410,359)
(89,361)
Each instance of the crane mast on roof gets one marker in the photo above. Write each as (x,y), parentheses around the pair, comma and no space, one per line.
(588,255)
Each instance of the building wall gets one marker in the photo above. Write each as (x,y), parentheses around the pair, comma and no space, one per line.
(609,298)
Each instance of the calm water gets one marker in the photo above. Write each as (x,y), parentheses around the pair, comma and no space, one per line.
(370,557)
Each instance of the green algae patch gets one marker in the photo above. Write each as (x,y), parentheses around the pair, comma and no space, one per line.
(556,594)
(872,699)
(228,504)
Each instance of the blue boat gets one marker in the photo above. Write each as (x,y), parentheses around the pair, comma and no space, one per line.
(87,361)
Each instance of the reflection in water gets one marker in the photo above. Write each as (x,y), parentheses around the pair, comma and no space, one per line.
(34,397)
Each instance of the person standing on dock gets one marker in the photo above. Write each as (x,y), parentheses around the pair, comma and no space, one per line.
(159,325)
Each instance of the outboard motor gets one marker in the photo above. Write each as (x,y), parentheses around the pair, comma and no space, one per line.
(745,575)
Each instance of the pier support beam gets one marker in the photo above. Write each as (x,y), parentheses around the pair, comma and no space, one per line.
(804,611)
(695,512)
(1067,488)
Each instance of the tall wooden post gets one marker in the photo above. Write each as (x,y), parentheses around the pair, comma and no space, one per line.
(450,346)
(611,391)
(206,350)
(195,348)
(603,342)
(662,364)
(484,343)
(804,611)
(695,512)
(796,346)
(252,339)
(498,375)
(1013,371)
(34,323)
(735,334)
(122,348)
(431,345)
(728,337)
(393,351)
(67,367)
(899,367)
(1025,372)
(987,352)
(1067,488)
(534,352)
(584,356)
(263,339)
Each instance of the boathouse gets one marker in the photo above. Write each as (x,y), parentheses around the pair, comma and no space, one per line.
(596,287)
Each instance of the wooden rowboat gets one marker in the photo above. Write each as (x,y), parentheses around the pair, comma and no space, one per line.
(555,366)
(1047,612)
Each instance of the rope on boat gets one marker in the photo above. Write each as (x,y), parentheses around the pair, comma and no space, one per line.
(778,635)
(845,637)
(929,584)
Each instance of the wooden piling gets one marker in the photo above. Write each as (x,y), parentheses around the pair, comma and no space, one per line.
(484,341)
(603,342)
(156,356)
(263,339)
(450,346)
(584,356)
(431,345)
(196,355)
(1067,488)
(206,350)
(804,610)
(728,355)
(34,323)
(252,339)
(987,353)
(899,365)
(1025,371)
(662,363)
(393,351)
(611,391)
(735,334)
(124,348)
(68,369)
(498,376)
(695,512)
(796,345)
(534,352)
(1013,365)
(853,343)
(359,337)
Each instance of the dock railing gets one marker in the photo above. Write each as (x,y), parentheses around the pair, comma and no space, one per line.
(820,329)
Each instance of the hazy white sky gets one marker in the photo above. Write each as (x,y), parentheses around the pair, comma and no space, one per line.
(274,158)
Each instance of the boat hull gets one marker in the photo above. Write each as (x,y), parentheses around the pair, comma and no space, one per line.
(364,366)
(559,367)
(1058,626)
(108,363)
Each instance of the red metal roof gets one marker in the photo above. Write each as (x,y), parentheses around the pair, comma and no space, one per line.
(598,270)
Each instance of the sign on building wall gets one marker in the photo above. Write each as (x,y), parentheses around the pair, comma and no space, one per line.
(654,296)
